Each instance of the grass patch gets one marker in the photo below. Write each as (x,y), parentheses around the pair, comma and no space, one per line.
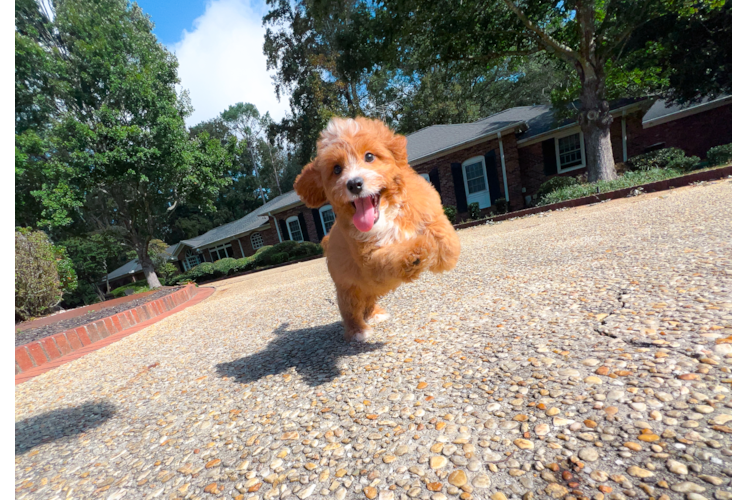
(629,179)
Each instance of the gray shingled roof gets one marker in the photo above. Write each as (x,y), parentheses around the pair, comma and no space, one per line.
(249,222)
(437,138)
(134,266)
(661,109)
(279,202)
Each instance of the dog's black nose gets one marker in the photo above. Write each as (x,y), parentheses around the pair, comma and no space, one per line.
(355,185)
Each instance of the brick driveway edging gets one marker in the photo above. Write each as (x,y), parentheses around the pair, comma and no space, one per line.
(663,185)
(41,352)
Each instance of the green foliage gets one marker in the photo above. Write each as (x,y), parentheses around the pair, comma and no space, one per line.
(65,271)
(502,206)
(719,155)
(554,183)
(451,213)
(474,211)
(279,258)
(139,286)
(226,266)
(37,283)
(167,270)
(667,158)
(629,179)
(113,149)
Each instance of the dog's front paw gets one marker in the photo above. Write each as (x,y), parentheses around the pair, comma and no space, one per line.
(359,335)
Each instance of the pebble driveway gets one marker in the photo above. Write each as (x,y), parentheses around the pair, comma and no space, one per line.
(584,353)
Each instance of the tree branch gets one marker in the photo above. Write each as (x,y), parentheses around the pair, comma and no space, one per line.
(553,44)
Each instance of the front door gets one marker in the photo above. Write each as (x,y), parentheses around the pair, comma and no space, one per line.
(476,183)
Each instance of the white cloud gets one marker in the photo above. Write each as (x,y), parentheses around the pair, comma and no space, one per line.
(221,62)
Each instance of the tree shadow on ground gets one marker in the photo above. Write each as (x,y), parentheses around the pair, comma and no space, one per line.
(313,352)
(61,424)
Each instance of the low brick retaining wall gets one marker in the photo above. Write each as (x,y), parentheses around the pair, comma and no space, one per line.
(685,180)
(43,351)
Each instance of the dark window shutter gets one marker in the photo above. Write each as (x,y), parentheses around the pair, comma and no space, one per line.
(434,176)
(318,224)
(459,184)
(302,223)
(284,229)
(494,184)
(549,157)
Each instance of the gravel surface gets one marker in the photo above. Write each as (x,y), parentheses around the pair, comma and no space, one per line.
(583,353)
(33,334)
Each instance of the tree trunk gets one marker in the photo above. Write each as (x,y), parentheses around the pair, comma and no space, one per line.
(147,265)
(150,274)
(595,120)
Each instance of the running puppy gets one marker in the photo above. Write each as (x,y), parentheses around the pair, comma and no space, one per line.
(390,225)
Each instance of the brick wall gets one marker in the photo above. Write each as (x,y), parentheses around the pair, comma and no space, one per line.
(306,212)
(531,157)
(695,134)
(444,164)
(269,237)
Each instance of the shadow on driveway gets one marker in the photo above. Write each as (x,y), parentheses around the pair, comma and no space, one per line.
(313,352)
(61,424)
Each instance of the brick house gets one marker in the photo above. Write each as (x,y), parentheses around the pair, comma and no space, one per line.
(510,154)
(507,155)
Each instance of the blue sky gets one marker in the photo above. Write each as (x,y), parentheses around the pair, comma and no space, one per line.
(219,47)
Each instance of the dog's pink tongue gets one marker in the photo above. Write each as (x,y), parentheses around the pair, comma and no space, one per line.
(364,217)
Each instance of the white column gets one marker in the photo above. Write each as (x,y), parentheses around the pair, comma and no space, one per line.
(623,136)
(503,169)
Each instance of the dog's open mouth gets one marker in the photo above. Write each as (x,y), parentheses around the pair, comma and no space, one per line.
(367,212)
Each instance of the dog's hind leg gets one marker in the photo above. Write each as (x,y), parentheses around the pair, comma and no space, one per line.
(352,303)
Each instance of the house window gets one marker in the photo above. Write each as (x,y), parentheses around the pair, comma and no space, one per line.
(426,176)
(221,252)
(570,152)
(294,228)
(476,183)
(256,240)
(191,259)
(328,218)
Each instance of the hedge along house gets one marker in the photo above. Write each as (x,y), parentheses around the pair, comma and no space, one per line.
(510,154)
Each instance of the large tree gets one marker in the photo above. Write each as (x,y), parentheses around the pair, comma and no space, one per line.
(589,37)
(113,144)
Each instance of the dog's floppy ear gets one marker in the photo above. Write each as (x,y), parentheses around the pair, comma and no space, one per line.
(308,185)
(398,145)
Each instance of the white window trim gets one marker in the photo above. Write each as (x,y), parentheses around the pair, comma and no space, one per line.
(251,241)
(288,226)
(217,248)
(189,254)
(558,154)
(322,219)
(474,159)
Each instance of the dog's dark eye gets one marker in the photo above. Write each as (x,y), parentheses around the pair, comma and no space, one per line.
(368,157)
(337,169)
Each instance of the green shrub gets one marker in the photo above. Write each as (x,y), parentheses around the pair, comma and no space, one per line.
(136,288)
(474,211)
(719,155)
(661,158)
(305,249)
(38,286)
(167,270)
(203,272)
(279,258)
(226,267)
(687,163)
(285,246)
(245,264)
(629,179)
(451,213)
(556,183)
(502,206)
